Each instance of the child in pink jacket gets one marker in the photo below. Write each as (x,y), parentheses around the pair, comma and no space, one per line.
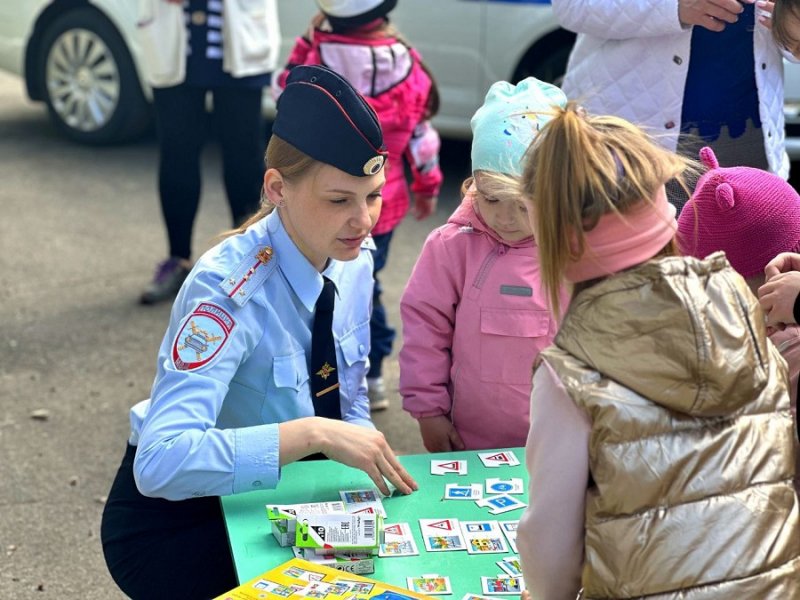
(474,315)
(354,38)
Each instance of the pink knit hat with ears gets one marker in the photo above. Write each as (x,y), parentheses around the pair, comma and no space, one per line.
(750,214)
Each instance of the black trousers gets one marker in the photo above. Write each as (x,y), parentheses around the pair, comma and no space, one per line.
(157,548)
(183,126)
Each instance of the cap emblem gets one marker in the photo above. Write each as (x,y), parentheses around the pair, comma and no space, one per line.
(374,165)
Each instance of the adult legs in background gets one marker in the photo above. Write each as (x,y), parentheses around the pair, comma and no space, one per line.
(381,334)
(181,124)
(238,117)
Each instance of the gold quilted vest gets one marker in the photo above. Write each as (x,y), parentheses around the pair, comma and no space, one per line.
(692,443)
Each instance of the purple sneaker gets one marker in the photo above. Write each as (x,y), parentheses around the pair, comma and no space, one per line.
(167,281)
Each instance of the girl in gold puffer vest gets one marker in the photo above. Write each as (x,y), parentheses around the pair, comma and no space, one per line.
(661,449)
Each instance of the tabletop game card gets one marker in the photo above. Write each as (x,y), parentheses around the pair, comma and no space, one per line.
(470,491)
(441,535)
(363,501)
(429,584)
(446,467)
(501,503)
(398,541)
(509,529)
(498,459)
(502,584)
(504,486)
(510,565)
(483,537)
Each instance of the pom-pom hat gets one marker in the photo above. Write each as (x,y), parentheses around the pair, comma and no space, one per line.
(343,14)
(508,121)
(323,116)
(750,214)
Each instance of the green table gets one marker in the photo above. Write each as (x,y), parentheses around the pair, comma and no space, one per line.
(255,550)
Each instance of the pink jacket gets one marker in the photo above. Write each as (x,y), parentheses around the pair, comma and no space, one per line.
(474,319)
(388,74)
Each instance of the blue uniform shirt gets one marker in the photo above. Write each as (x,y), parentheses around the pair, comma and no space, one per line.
(234,363)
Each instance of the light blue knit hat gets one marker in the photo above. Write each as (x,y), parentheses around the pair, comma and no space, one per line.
(511,116)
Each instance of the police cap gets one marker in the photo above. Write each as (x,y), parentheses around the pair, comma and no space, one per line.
(323,116)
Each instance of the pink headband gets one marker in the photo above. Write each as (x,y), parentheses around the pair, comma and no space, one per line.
(621,241)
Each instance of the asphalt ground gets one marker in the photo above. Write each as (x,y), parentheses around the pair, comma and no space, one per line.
(80,233)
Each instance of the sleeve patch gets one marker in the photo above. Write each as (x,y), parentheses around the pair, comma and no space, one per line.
(202,337)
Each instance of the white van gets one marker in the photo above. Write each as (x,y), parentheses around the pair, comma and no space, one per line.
(82,59)
(81,56)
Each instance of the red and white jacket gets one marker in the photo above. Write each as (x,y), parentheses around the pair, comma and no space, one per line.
(389,75)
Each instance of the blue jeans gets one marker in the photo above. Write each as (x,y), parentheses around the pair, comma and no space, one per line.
(380,333)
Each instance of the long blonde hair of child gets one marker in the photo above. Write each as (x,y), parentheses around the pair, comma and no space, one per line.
(581,167)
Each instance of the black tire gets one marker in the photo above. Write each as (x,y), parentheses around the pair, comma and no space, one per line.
(549,66)
(89,81)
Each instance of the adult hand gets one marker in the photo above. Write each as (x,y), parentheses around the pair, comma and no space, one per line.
(777,297)
(784,262)
(349,444)
(765,8)
(711,14)
(439,435)
(424,206)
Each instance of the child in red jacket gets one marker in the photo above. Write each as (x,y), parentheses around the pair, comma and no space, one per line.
(354,38)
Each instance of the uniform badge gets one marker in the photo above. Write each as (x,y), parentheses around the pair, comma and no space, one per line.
(326,371)
(373,165)
(202,337)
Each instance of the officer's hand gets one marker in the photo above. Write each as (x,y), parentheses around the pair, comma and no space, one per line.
(778,295)
(764,12)
(784,262)
(711,14)
(439,435)
(365,449)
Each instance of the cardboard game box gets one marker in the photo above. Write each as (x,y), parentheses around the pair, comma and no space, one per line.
(353,562)
(283,517)
(299,579)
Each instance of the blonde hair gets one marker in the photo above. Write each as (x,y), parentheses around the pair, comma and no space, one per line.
(782,13)
(495,185)
(581,167)
(292,165)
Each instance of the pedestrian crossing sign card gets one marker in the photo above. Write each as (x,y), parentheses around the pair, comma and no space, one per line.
(471,491)
(299,579)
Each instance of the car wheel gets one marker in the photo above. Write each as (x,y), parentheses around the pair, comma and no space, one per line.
(89,81)
(551,67)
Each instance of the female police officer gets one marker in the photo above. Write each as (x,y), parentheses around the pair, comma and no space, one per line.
(257,369)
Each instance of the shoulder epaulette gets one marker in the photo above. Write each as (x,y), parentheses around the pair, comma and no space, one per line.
(249,275)
(368,243)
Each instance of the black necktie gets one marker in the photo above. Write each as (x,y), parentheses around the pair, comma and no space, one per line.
(324,373)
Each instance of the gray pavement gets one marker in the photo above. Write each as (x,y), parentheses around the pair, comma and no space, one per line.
(80,233)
